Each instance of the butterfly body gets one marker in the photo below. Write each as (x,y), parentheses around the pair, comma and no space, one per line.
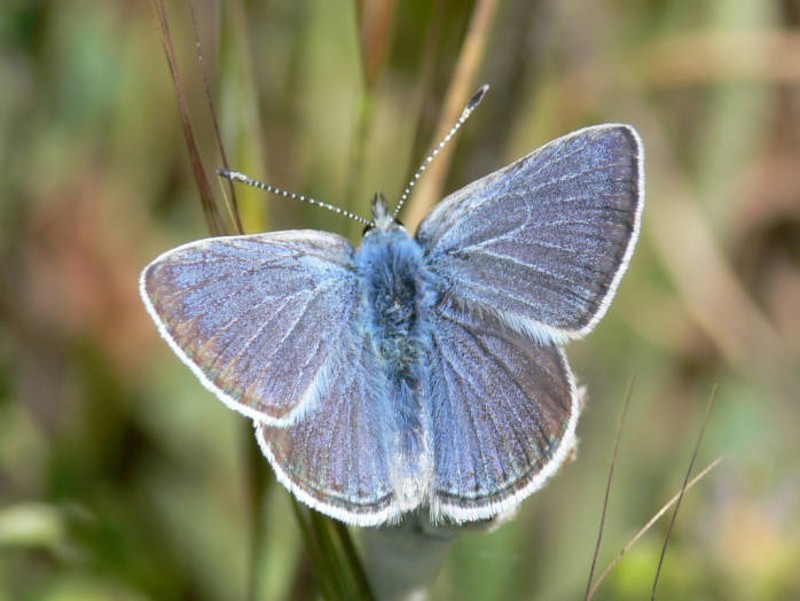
(397,299)
(398,295)
(418,372)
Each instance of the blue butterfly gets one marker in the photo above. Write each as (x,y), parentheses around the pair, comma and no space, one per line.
(415,372)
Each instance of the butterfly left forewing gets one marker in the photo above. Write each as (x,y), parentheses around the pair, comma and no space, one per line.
(258,317)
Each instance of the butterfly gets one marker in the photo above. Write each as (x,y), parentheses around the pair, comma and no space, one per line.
(418,372)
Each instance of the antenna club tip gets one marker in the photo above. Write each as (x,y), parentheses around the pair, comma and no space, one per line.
(230,175)
(477,96)
(226,173)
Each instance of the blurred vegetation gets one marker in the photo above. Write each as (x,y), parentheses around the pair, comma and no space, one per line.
(122,478)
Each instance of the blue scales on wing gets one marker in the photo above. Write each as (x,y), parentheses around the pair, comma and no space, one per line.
(336,459)
(270,323)
(523,260)
(257,318)
(543,242)
(420,371)
(504,413)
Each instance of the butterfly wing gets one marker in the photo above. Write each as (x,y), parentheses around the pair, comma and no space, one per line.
(335,458)
(522,260)
(504,414)
(543,242)
(256,318)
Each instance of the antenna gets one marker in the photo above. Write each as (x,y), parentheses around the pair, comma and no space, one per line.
(235,176)
(473,102)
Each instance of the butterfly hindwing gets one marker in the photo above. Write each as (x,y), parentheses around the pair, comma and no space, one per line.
(335,459)
(257,318)
(504,412)
(543,242)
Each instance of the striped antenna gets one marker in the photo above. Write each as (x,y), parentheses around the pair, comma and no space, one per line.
(235,176)
(473,102)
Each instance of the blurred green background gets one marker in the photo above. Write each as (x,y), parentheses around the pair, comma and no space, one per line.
(122,478)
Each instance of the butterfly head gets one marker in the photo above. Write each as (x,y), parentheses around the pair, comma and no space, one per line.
(382,218)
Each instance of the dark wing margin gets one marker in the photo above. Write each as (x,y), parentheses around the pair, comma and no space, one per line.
(544,242)
(504,410)
(256,318)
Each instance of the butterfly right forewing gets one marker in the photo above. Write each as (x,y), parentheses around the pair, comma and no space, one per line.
(543,242)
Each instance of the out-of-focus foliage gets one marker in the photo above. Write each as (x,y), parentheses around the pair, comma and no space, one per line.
(122,478)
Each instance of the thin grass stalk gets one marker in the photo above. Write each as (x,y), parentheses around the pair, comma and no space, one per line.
(216,224)
(351,554)
(644,529)
(609,480)
(671,526)
(350,579)
(337,571)
(375,26)
(461,87)
(240,91)
(231,205)
(312,549)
